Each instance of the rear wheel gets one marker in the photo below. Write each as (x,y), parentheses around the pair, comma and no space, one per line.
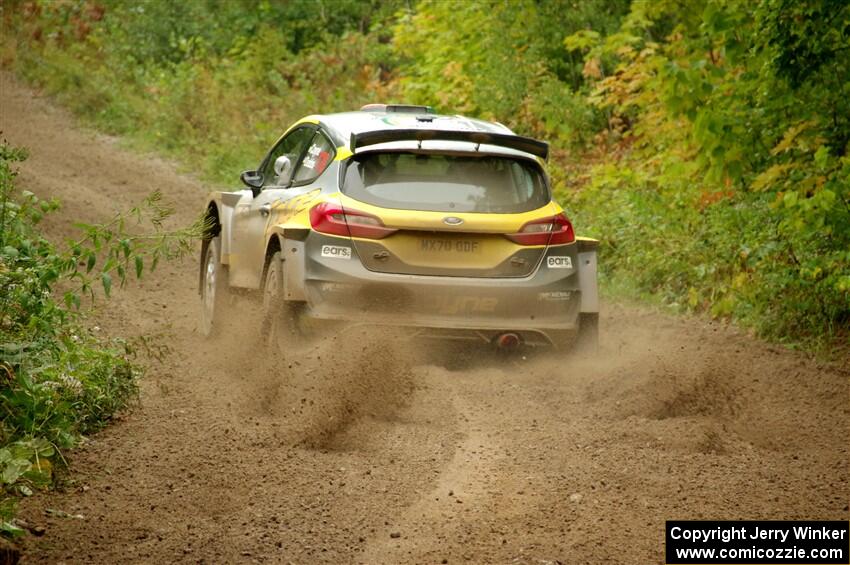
(587,341)
(214,295)
(280,316)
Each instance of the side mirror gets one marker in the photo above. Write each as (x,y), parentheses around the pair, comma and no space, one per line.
(252,179)
(282,170)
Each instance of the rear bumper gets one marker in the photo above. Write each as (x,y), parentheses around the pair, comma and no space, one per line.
(543,306)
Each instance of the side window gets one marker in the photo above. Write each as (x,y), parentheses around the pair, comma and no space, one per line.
(319,155)
(292,146)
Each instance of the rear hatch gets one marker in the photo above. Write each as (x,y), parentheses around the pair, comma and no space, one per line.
(448,214)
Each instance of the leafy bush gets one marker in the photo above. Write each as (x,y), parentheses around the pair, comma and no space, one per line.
(59,380)
(503,61)
(731,191)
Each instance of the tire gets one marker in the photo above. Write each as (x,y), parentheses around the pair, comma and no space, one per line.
(587,340)
(214,292)
(280,316)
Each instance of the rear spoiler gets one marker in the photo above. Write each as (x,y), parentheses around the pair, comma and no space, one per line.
(526,144)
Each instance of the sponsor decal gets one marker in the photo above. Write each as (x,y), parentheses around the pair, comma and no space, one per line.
(332,287)
(559,262)
(337,252)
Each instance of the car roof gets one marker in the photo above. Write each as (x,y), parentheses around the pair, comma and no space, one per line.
(344,124)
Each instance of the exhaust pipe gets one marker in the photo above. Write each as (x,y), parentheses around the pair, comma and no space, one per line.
(508,341)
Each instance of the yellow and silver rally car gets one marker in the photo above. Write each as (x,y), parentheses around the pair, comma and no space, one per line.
(443,226)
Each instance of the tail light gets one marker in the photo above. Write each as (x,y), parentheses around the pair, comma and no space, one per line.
(333,219)
(554,230)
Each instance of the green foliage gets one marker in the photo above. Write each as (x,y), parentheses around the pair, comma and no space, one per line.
(211,82)
(24,465)
(502,61)
(733,195)
(58,379)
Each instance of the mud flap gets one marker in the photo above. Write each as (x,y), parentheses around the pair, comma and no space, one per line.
(294,272)
(587,253)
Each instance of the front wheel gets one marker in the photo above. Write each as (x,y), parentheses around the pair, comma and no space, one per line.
(280,316)
(214,299)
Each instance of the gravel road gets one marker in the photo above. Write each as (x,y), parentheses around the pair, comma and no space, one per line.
(372,450)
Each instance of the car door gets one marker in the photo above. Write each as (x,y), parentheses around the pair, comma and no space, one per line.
(252,213)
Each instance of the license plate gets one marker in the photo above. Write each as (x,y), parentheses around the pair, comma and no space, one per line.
(434,245)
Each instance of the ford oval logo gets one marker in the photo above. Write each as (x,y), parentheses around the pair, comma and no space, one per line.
(452,221)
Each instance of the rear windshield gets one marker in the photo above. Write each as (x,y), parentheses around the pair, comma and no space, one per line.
(446,183)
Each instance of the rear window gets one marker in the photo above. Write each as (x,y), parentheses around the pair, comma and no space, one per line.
(446,183)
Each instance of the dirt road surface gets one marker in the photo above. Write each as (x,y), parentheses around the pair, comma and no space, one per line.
(370,450)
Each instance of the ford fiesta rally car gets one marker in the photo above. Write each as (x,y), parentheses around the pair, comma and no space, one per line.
(442,226)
